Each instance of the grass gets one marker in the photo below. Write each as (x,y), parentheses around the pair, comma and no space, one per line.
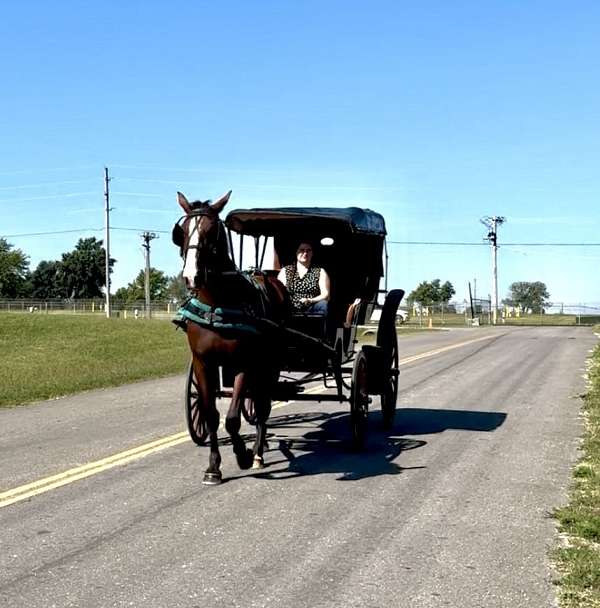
(43,357)
(47,356)
(579,561)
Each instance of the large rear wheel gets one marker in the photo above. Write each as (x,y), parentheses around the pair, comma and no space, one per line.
(387,340)
(193,412)
(389,394)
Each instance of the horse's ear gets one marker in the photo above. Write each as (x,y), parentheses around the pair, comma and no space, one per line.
(184,203)
(220,203)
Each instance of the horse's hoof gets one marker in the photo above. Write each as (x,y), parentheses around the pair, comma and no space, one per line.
(212,479)
(258,462)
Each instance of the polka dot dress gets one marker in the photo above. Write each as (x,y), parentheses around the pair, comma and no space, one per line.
(305,287)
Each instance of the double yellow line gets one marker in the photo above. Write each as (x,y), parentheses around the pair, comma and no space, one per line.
(46,484)
(87,470)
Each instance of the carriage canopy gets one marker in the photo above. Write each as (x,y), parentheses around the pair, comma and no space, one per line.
(312,220)
(355,260)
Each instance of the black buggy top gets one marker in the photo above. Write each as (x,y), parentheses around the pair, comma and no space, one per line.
(273,221)
(354,261)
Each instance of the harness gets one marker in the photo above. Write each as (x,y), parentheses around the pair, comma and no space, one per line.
(217,317)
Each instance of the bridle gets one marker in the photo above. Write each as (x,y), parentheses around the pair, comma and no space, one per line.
(208,266)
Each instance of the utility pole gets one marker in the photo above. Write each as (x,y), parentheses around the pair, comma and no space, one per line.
(147,237)
(107,239)
(492,223)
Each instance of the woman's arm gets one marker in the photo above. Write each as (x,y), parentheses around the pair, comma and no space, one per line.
(281,276)
(324,286)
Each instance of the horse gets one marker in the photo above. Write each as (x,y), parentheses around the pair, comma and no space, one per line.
(250,311)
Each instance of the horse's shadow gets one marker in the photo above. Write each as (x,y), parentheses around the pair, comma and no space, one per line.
(326,446)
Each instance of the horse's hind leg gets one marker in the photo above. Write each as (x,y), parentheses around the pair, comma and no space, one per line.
(206,378)
(233,422)
(262,406)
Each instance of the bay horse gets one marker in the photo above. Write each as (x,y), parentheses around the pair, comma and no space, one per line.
(245,340)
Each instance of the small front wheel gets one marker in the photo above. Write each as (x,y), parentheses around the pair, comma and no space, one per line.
(193,412)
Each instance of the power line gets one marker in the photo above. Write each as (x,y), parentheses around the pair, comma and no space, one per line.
(46,197)
(13,236)
(554,244)
(45,184)
(74,230)
(434,243)
(445,243)
(139,194)
(140,229)
(459,244)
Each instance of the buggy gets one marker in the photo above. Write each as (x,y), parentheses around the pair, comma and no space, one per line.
(353,251)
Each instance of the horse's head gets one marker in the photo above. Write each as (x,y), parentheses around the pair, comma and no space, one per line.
(201,237)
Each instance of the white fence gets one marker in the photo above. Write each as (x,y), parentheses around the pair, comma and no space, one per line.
(158,310)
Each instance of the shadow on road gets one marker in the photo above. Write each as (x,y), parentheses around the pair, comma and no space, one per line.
(416,421)
(325,446)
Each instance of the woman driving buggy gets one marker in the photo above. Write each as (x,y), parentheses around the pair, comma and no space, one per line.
(307,285)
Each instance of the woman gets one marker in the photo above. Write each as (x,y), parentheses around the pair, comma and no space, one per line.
(307,285)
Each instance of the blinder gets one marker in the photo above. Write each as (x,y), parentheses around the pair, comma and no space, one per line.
(178,235)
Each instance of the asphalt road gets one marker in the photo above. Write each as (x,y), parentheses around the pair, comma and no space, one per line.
(451,508)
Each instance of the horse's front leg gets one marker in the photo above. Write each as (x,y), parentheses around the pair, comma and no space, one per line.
(206,378)
(233,422)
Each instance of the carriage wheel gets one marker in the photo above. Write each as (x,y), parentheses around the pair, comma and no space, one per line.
(389,396)
(387,340)
(196,426)
(359,400)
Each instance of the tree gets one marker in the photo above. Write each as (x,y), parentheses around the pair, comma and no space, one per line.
(83,270)
(14,271)
(136,290)
(428,293)
(446,292)
(531,296)
(46,280)
(177,290)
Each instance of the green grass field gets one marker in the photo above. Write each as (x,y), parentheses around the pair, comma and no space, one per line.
(47,356)
(579,561)
(42,357)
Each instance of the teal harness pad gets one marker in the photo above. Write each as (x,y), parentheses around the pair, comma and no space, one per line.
(216,317)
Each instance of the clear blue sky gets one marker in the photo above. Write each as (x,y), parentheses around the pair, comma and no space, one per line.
(435,114)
